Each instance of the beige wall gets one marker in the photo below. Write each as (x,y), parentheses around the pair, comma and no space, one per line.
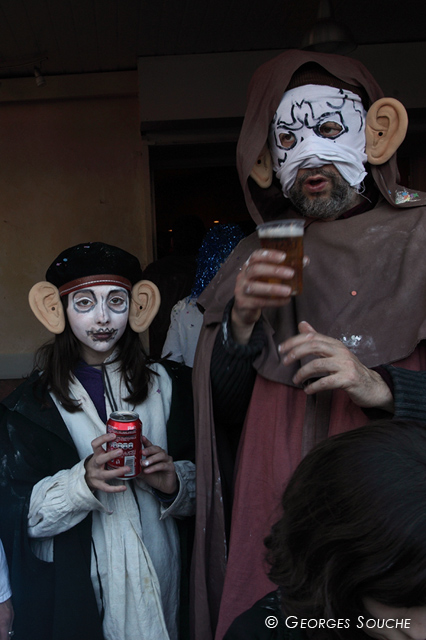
(71,171)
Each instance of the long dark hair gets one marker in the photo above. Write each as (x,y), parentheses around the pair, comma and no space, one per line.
(353,525)
(57,360)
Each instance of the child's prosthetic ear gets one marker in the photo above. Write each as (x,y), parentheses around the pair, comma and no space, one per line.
(144,305)
(262,172)
(47,307)
(385,129)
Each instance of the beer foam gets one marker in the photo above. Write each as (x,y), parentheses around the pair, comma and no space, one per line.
(290,231)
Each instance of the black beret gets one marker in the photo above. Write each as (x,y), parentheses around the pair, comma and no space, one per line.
(93,263)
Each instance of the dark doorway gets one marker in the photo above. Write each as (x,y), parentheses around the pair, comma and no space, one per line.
(199,180)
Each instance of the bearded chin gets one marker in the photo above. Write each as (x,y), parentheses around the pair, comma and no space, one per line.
(341,199)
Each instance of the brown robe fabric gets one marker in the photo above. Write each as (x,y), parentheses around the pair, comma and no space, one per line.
(365,285)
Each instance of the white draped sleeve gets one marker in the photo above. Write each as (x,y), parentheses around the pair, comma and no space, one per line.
(59,502)
(5,590)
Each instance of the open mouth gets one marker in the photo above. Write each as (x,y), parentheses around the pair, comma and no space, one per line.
(316,183)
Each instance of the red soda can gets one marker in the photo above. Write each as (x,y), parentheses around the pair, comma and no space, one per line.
(128,430)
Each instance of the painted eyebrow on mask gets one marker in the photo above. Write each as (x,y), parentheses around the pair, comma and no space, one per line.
(355,107)
(296,121)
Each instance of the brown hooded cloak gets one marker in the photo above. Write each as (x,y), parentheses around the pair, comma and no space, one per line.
(365,285)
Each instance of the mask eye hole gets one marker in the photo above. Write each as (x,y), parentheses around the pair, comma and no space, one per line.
(287,139)
(329,130)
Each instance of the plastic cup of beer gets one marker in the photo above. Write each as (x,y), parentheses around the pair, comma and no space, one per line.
(287,236)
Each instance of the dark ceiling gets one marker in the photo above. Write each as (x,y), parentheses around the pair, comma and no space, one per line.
(83,36)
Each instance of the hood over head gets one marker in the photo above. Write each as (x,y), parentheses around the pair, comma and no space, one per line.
(265,92)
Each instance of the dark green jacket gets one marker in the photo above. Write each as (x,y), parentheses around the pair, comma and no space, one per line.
(264,621)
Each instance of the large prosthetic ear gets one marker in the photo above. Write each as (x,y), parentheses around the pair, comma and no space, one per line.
(46,305)
(262,171)
(385,129)
(144,305)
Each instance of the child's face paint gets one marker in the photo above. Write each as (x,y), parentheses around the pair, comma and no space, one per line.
(98,318)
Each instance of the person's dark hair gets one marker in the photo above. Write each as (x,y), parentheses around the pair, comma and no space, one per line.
(353,525)
(57,360)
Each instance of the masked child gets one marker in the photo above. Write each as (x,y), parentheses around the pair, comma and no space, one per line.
(91,555)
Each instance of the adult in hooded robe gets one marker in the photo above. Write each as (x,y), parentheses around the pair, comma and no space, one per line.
(362,307)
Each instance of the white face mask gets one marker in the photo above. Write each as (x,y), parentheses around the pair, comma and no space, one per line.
(316,125)
(98,318)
